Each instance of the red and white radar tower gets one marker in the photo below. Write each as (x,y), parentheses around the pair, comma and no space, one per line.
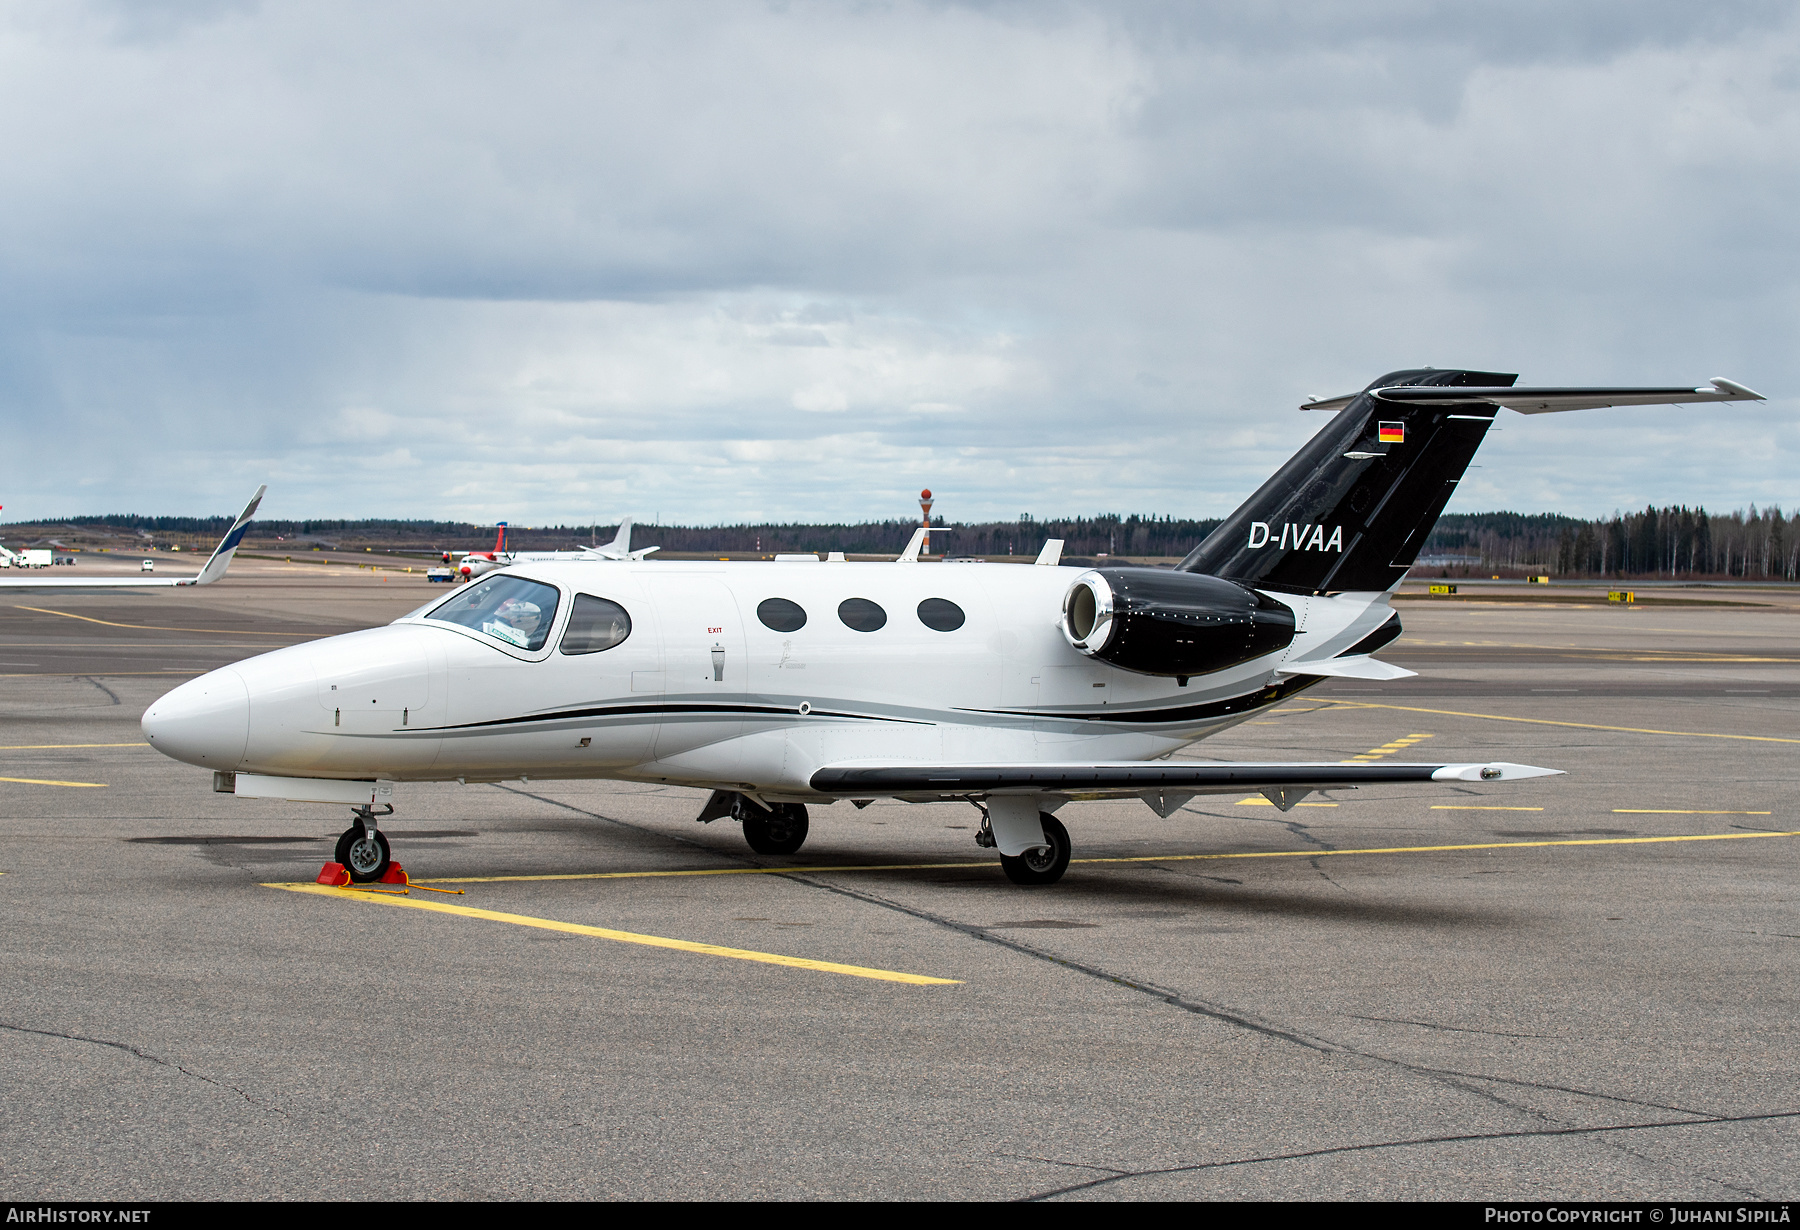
(925,507)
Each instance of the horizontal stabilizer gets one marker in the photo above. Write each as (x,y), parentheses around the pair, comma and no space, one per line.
(868,778)
(1353,666)
(1546,400)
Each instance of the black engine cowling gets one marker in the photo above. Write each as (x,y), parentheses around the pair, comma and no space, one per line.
(1156,622)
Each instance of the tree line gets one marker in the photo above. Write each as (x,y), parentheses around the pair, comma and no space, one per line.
(1136,535)
(1673,541)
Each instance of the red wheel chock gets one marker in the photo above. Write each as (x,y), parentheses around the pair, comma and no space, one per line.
(336,875)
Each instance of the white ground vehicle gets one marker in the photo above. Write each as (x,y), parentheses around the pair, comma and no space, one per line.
(149,565)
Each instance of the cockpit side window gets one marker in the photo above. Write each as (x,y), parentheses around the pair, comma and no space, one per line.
(509,609)
(595,624)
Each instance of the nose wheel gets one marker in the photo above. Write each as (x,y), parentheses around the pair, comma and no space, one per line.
(364,853)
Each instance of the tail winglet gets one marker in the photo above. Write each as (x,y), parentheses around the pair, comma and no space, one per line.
(228,545)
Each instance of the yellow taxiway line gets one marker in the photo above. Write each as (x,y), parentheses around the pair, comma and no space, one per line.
(1630,730)
(1681,811)
(38,781)
(1477,807)
(156,627)
(625,937)
(1140,858)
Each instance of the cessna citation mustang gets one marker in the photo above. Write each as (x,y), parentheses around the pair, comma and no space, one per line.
(215,566)
(783,686)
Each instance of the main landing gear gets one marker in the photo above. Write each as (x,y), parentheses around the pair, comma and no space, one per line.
(1046,864)
(363,849)
(781,829)
(1037,859)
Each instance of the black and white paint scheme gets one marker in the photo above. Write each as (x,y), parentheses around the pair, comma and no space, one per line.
(782,686)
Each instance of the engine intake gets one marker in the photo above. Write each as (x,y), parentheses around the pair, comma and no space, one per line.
(1171,623)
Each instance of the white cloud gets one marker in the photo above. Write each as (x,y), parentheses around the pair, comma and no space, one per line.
(557,261)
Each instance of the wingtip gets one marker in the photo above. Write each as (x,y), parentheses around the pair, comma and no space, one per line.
(1492,771)
(1735,389)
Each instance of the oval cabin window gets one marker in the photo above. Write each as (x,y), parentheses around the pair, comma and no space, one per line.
(781,615)
(595,624)
(862,615)
(941,615)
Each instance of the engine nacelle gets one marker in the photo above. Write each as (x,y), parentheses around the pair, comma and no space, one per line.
(1157,622)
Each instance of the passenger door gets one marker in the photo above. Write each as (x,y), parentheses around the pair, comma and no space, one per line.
(704,670)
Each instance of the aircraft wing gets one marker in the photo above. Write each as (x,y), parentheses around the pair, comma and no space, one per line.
(215,565)
(1350,666)
(1284,784)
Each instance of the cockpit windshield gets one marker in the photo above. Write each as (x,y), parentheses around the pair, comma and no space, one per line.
(509,609)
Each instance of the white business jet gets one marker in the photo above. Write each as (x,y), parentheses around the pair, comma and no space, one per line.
(784,686)
(618,549)
(480,563)
(215,566)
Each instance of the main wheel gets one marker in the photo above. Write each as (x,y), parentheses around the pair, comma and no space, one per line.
(364,857)
(1046,864)
(781,831)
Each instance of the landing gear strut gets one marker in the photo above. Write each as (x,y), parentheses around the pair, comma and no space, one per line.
(781,829)
(363,848)
(1045,864)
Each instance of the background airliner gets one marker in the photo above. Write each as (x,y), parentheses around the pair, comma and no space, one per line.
(782,686)
(214,569)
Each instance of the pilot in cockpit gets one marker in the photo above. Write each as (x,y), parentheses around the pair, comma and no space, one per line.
(515,621)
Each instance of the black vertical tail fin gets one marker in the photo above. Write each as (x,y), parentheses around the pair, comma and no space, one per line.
(1352,508)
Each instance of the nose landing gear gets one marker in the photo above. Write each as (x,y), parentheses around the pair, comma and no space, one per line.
(363,849)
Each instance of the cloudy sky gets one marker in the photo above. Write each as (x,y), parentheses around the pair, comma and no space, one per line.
(721,262)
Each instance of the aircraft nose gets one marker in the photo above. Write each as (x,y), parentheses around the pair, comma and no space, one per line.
(205,721)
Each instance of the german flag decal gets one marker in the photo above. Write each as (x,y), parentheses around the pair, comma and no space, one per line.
(1392,433)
